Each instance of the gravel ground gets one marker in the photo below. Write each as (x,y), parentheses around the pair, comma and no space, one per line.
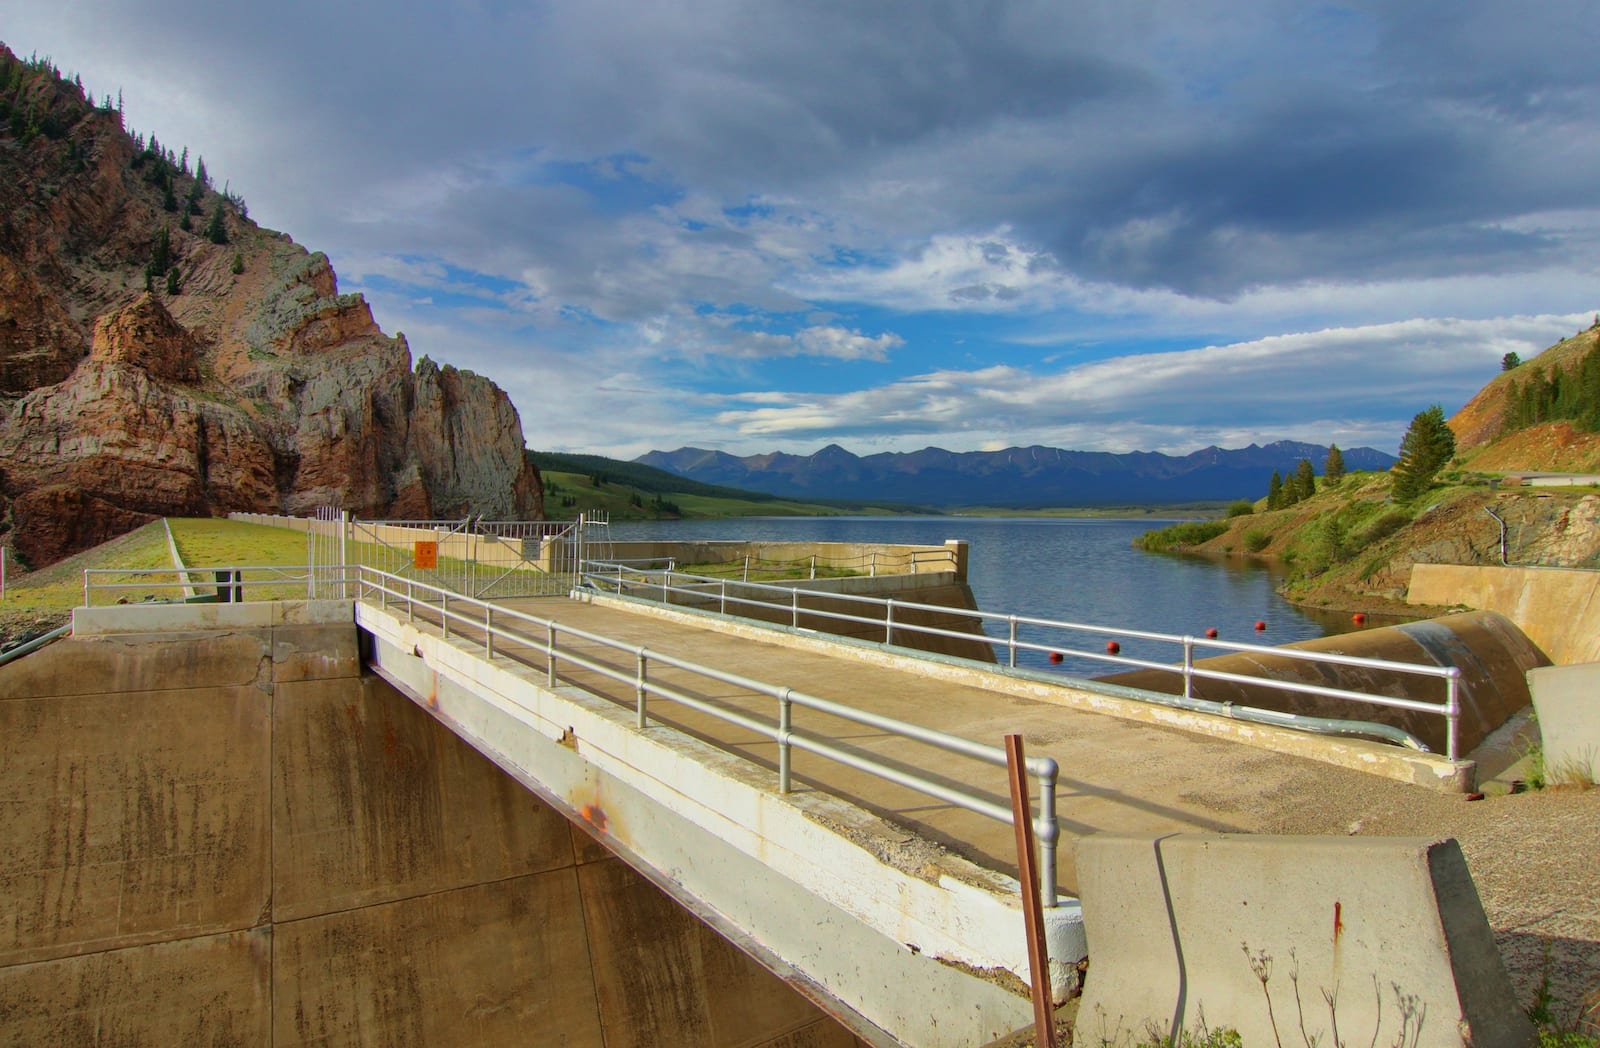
(1535,858)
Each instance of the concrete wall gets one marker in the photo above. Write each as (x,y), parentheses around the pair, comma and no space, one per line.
(1492,654)
(1567,701)
(1558,608)
(823,601)
(1253,932)
(232,837)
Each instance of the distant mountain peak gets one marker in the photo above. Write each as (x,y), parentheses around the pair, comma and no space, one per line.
(1032,476)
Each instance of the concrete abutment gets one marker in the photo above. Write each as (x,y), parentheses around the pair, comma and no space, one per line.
(234,837)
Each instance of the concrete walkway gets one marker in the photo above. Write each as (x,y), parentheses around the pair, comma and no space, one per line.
(1117,775)
(1531,854)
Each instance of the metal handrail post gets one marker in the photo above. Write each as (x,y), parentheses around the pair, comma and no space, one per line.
(488,630)
(794,618)
(1188,667)
(785,725)
(411,602)
(86,587)
(639,688)
(1048,830)
(1011,641)
(722,597)
(444,613)
(1452,712)
(888,621)
(550,653)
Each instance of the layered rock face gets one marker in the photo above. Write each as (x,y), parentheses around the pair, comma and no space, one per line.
(256,386)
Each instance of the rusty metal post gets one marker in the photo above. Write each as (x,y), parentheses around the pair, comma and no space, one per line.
(1028,873)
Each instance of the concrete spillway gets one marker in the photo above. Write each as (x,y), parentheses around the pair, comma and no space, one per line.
(1493,655)
(237,838)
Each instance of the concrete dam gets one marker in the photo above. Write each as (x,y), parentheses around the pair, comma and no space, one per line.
(237,837)
(409,818)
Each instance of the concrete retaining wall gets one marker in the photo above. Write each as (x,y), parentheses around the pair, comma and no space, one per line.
(1492,654)
(1252,932)
(1567,701)
(821,601)
(1558,608)
(233,837)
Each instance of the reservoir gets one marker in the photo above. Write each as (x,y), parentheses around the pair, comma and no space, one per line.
(1077,569)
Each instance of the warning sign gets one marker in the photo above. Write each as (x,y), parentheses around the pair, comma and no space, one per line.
(426,557)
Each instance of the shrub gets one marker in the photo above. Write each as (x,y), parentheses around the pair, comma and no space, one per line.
(1241,508)
(1187,533)
(1255,541)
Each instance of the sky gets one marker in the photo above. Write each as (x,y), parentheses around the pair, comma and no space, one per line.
(758,226)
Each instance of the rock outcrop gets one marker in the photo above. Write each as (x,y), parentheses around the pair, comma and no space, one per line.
(247,383)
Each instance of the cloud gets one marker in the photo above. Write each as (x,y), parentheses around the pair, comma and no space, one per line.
(720,222)
(1354,385)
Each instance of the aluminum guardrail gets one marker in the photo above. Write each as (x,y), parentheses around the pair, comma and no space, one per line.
(483,622)
(229,584)
(702,592)
(489,620)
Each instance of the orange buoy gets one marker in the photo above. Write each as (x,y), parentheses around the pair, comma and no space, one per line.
(1211,632)
(1055,656)
(1359,618)
(1261,627)
(1113,647)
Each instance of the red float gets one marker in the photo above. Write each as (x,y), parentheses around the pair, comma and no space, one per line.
(1113,647)
(1211,632)
(1261,627)
(1359,618)
(1055,656)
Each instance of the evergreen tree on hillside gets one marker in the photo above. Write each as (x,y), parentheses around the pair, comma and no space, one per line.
(1424,450)
(161,251)
(1305,480)
(217,230)
(1509,361)
(1333,469)
(1275,491)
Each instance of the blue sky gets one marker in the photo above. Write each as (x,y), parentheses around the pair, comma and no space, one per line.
(772,226)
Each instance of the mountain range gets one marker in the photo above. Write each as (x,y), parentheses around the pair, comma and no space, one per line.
(1012,478)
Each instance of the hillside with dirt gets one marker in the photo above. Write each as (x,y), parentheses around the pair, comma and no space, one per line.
(1352,544)
(161,354)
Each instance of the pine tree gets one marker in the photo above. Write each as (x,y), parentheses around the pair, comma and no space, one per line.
(1333,469)
(161,252)
(1305,480)
(172,281)
(217,231)
(1509,361)
(200,177)
(169,202)
(1424,450)
(1275,491)
(238,263)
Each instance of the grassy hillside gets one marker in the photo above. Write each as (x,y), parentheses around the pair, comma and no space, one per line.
(632,491)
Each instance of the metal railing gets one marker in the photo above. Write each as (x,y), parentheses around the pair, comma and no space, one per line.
(483,623)
(725,596)
(221,585)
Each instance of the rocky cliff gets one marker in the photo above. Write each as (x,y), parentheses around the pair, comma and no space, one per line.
(147,369)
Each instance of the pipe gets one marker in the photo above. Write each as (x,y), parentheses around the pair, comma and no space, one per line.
(1498,517)
(28,647)
(1295,721)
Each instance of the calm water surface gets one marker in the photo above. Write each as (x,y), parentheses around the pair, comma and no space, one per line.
(1080,570)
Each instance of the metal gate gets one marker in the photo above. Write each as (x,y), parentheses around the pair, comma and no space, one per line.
(472,556)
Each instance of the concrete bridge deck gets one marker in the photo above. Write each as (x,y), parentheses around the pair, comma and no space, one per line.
(1119,775)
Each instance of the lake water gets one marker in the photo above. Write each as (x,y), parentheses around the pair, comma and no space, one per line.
(1078,569)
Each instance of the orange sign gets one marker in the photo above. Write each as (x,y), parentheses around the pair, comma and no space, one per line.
(426,557)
